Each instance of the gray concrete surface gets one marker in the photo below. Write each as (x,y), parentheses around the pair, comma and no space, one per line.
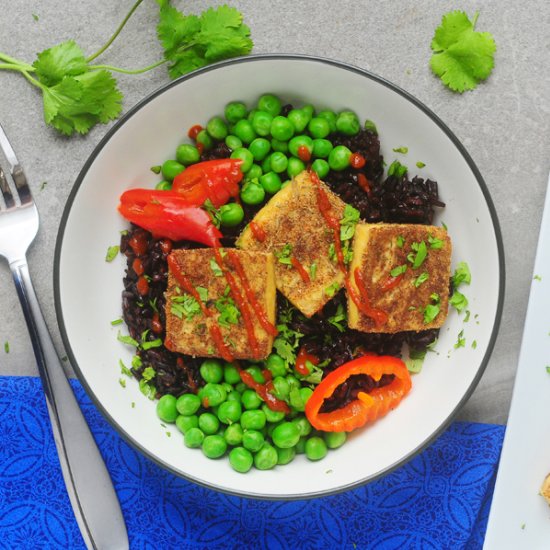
(504,123)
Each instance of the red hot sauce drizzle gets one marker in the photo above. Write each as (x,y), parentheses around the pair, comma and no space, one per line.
(214,329)
(300,269)
(257,231)
(264,391)
(241,304)
(360,299)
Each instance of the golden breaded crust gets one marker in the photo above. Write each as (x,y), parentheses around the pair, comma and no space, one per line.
(292,217)
(377,251)
(545,489)
(188,329)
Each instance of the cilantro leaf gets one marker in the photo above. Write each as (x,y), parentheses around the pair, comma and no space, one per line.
(458,301)
(462,56)
(65,59)
(112,252)
(462,275)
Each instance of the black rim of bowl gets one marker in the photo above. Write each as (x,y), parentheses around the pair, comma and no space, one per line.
(253,59)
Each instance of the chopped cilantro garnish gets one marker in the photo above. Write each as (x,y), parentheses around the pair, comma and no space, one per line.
(313,271)
(415,360)
(116,322)
(548,369)
(420,164)
(136,362)
(348,222)
(331,290)
(213,212)
(467,316)
(397,169)
(371,126)
(474,344)
(422,278)
(339,317)
(216,269)
(288,340)
(431,311)
(229,313)
(418,255)
(435,243)
(461,275)
(35,17)
(402,150)
(184,306)
(460,341)
(332,252)
(124,369)
(122,382)
(399,270)
(156,343)
(153,304)
(435,298)
(537,278)
(127,340)
(156,169)
(43,185)
(462,56)
(458,301)
(145,387)
(6,346)
(112,252)
(400,241)
(444,226)
(284,254)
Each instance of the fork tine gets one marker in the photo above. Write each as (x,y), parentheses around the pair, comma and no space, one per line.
(6,191)
(16,171)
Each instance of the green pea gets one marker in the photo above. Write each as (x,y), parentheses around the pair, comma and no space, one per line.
(276,365)
(266,164)
(212,394)
(284,456)
(279,162)
(235,111)
(217,128)
(272,416)
(208,423)
(271,182)
(259,148)
(270,426)
(300,141)
(334,439)
(305,394)
(233,434)
(301,445)
(253,420)
(244,131)
(188,404)
(281,387)
(231,214)
(338,158)
(185,423)
(309,110)
(211,370)
(166,408)
(241,459)
(234,396)
(286,435)
(246,156)
(315,448)
(256,373)
(214,446)
(252,193)
(253,440)
(163,186)
(171,168)
(295,166)
(299,119)
(320,167)
(330,117)
(231,373)
(233,142)
(282,128)
(293,382)
(266,458)
(347,123)
(193,438)
(229,412)
(250,115)
(240,387)
(203,137)
(254,173)
(303,425)
(321,148)
(319,127)
(261,122)
(279,146)
(227,387)
(250,399)
(270,103)
(295,400)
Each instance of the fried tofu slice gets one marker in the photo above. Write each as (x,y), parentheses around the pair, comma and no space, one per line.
(189,329)
(292,227)
(405,269)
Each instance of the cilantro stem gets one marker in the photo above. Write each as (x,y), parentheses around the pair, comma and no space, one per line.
(129,71)
(474,19)
(116,33)
(32,80)
(13,61)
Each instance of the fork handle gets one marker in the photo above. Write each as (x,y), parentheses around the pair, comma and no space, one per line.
(91,492)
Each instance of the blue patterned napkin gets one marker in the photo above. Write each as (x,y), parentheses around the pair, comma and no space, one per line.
(438,500)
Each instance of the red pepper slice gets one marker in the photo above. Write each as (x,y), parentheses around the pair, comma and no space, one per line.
(217,180)
(168,214)
(368,406)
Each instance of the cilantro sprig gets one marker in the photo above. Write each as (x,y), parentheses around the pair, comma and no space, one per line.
(78,93)
(462,56)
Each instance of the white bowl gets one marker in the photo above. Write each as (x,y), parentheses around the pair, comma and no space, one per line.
(88,289)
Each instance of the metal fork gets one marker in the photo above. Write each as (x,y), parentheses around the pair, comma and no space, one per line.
(90,488)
